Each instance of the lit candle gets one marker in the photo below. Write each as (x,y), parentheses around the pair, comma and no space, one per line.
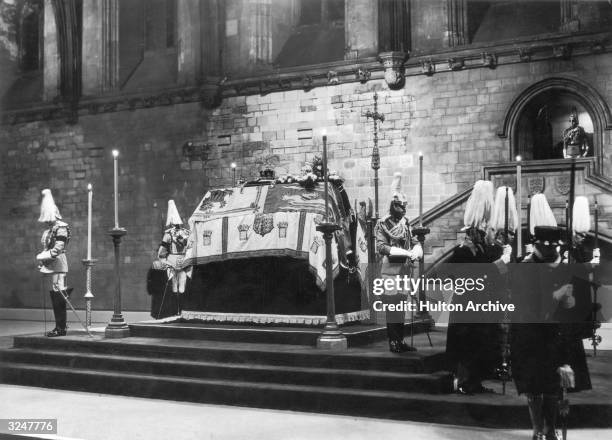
(89,200)
(325,174)
(519,226)
(116,173)
(234,174)
(420,188)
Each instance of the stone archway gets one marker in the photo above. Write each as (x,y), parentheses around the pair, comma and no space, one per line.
(571,90)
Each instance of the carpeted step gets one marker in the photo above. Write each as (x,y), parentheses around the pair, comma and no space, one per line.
(271,354)
(503,411)
(261,373)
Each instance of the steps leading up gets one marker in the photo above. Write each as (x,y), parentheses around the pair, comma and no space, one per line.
(368,381)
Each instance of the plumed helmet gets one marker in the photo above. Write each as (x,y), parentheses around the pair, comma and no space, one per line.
(479,205)
(581,217)
(173,217)
(396,189)
(498,218)
(48,209)
(540,213)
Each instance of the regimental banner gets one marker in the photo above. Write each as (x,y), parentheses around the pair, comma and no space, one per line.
(258,221)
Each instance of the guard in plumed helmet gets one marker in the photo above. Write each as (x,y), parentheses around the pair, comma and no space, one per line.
(172,249)
(546,350)
(52,260)
(473,344)
(399,250)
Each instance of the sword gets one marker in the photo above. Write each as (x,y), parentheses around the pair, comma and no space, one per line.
(564,412)
(75,312)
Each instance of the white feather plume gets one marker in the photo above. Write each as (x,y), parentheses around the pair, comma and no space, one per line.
(498,217)
(581,217)
(173,217)
(479,205)
(48,209)
(396,188)
(540,213)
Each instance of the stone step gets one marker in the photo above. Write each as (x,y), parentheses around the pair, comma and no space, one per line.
(244,371)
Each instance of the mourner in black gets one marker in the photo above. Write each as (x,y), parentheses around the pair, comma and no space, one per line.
(546,340)
(473,344)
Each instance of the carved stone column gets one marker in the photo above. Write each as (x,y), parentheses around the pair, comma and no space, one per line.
(394,25)
(457,30)
(101,46)
(582,15)
(260,32)
(189,40)
(361,28)
(51,63)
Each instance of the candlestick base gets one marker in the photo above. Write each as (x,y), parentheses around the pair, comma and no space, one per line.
(117,327)
(116,330)
(332,339)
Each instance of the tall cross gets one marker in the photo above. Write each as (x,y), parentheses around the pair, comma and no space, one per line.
(375,153)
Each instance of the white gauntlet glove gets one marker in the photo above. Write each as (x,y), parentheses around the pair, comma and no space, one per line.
(596,256)
(566,373)
(506,254)
(44,256)
(398,252)
(564,295)
(416,253)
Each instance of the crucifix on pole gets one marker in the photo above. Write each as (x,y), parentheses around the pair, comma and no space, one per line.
(375,154)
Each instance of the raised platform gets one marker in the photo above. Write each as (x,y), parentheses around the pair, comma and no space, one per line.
(356,334)
(365,381)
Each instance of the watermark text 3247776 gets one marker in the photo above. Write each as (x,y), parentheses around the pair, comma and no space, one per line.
(28,426)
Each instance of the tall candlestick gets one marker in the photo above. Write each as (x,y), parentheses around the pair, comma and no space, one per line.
(325,176)
(116,182)
(519,208)
(89,200)
(234,174)
(596,224)
(420,189)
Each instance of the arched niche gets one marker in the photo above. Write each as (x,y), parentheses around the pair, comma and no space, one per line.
(535,120)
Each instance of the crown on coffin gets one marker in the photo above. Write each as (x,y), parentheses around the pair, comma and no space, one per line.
(207,233)
(243,227)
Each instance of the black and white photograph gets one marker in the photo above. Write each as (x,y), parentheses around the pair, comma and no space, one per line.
(306,219)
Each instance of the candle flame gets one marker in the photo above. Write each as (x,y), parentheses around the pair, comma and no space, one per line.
(89,187)
(115,153)
(324,132)
(420,154)
(519,158)
(233,165)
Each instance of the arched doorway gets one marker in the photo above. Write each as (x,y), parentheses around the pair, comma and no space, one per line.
(535,121)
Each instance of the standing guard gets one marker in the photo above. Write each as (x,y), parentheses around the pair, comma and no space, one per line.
(172,249)
(52,260)
(399,249)
(575,140)
(474,347)
(547,352)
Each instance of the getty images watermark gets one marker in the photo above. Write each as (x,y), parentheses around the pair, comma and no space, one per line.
(404,285)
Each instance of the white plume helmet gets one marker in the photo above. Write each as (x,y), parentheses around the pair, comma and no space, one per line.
(479,205)
(48,209)
(581,217)
(396,188)
(498,218)
(173,217)
(540,213)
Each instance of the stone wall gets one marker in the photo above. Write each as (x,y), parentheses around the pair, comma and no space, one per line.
(452,118)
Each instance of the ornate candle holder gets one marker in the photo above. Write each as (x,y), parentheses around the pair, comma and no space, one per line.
(117,327)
